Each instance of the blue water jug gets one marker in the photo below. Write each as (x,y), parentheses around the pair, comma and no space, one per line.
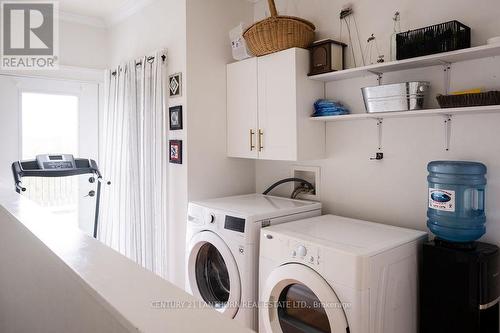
(456,200)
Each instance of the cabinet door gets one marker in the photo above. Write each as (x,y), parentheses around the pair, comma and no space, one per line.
(277,106)
(242,109)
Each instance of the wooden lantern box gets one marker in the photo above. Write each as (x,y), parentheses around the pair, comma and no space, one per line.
(326,56)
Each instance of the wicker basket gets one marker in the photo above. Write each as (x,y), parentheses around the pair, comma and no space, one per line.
(278,33)
(465,100)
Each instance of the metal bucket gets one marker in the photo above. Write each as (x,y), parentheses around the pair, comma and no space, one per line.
(404,96)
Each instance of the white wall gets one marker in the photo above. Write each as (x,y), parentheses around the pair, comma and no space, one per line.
(394,190)
(83,45)
(159,25)
(211,172)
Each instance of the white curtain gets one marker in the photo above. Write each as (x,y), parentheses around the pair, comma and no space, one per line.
(133,217)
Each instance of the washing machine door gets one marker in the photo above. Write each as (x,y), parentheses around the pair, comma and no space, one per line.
(297,299)
(213,274)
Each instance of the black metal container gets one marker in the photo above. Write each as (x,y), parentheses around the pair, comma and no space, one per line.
(443,37)
(466,100)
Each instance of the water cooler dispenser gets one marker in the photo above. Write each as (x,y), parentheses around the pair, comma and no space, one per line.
(460,278)
(459,288)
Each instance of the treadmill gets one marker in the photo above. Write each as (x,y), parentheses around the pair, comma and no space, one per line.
(60,165)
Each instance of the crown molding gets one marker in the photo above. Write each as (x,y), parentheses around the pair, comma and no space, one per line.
(82,19)
(128,9)
(71,73)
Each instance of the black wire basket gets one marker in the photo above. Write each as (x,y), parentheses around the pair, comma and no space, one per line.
(443,37)
(465,100)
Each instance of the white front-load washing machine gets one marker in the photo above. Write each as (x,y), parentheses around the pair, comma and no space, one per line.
(222,251)
(335,274)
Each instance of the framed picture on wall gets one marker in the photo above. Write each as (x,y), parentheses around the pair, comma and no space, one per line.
(175,151)
(175,117)
(175,84)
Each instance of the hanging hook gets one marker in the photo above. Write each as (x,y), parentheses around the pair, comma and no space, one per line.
(447,76)
(379,155)
(90,194)
(447,132)
(379,76)
(380,122)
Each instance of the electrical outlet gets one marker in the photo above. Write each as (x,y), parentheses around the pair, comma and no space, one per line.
(312,175)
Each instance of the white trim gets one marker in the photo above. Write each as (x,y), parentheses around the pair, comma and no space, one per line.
(128,9)
(82,19)
(72,73)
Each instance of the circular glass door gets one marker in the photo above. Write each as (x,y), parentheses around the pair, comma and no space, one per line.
(300,310)
(301,301)
(213,274)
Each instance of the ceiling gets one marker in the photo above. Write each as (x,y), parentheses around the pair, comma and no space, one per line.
(93,8)
(101,13)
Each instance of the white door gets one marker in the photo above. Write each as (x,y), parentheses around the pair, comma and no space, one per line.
(242,109)
(213,274)
(300,301)
(277,106)
(50,116)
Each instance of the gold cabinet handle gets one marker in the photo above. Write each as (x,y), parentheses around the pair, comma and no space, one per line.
(261,139)
(252,133)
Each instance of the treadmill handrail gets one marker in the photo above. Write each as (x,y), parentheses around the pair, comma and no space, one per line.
(20,172)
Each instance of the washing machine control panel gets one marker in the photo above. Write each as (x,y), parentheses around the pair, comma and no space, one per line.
(234,223)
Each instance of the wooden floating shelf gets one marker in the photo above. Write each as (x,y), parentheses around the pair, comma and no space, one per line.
(408,114)
(425,61)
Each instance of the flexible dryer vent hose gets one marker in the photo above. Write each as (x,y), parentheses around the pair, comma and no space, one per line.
(304,183)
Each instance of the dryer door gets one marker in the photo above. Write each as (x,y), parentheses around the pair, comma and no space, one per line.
(213,274)
(300,300)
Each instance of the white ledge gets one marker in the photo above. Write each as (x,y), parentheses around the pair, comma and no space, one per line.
(124,290)
(472,53)
(408,114)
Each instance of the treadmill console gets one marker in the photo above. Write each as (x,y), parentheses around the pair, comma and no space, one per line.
(56,162)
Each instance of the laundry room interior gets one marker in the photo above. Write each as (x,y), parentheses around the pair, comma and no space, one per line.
(272,166)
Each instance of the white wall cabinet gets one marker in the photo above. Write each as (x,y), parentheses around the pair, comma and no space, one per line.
(269,102)
(242,121)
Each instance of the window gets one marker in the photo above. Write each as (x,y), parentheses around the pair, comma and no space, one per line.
(50,126)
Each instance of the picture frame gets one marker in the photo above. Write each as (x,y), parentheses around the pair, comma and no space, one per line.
(175,117)
(175,85)
(175,151)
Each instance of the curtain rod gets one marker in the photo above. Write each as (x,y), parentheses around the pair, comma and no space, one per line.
(149,59)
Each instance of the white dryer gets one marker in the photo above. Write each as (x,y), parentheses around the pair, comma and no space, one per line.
(334,274)
(223,248)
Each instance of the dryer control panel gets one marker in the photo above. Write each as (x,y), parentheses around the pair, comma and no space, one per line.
(304,253)
(277,247)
